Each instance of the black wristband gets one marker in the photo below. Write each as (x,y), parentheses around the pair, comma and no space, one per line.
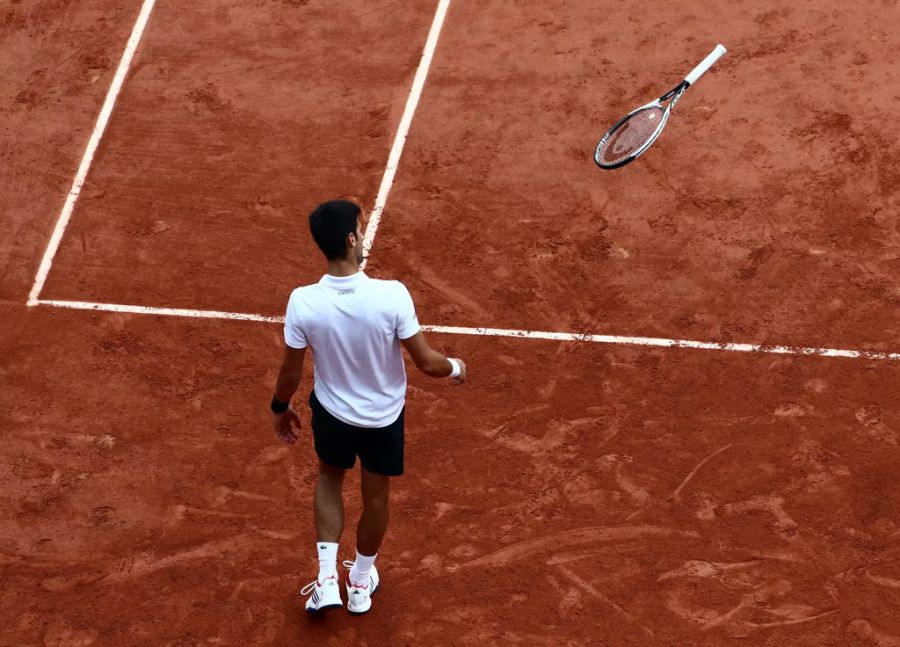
(279,407)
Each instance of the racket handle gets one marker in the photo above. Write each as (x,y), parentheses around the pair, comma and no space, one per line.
(705,64)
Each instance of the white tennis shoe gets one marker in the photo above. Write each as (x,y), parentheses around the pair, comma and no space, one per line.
(322,595)
(359,597)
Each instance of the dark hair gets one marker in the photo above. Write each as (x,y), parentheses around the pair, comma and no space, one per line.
(330,223)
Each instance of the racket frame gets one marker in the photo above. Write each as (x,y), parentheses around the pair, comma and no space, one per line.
(674,94)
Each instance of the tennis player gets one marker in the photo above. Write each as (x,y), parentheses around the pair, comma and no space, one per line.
(355,326)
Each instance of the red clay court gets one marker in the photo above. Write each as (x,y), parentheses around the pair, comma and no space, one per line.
(681,424)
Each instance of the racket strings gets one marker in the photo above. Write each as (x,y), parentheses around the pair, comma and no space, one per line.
(632,134)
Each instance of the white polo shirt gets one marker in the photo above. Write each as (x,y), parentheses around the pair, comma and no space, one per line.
(354,325)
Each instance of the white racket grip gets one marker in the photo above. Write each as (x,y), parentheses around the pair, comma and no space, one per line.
(705,64)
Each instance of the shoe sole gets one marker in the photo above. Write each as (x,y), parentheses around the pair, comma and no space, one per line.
(323,608)
(362,613)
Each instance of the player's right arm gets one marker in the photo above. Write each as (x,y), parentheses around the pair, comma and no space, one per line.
(430,361)
(426,359)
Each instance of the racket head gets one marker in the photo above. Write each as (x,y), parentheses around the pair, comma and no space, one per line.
(631,136)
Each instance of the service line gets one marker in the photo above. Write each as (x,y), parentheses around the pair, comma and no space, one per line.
(85,166)
(412,102)
(501,332)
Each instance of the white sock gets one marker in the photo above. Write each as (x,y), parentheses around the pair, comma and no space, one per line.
(359,574)
(327,559)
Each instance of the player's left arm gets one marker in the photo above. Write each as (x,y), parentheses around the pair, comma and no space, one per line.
(284,417)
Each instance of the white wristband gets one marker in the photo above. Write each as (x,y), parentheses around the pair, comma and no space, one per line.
(455,368)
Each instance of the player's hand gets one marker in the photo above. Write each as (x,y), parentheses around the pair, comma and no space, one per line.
(459,379)
(284,423)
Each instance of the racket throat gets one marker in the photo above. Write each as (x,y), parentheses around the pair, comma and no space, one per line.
(676,91)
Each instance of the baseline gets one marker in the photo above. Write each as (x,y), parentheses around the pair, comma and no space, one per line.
(661,342)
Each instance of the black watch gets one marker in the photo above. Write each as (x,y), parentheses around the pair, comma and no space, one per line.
(279,407)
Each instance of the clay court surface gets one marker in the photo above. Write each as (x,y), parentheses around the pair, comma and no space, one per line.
(571,493)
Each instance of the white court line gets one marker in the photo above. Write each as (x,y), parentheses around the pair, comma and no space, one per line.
(403,130)
(166,312)
(667,343)
(501,332)
(85,166)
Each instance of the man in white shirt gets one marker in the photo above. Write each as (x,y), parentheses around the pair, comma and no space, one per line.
(355,326)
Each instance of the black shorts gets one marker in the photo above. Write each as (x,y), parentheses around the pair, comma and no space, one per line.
(337,443)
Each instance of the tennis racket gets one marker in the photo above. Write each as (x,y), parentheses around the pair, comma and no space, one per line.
(635,132)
